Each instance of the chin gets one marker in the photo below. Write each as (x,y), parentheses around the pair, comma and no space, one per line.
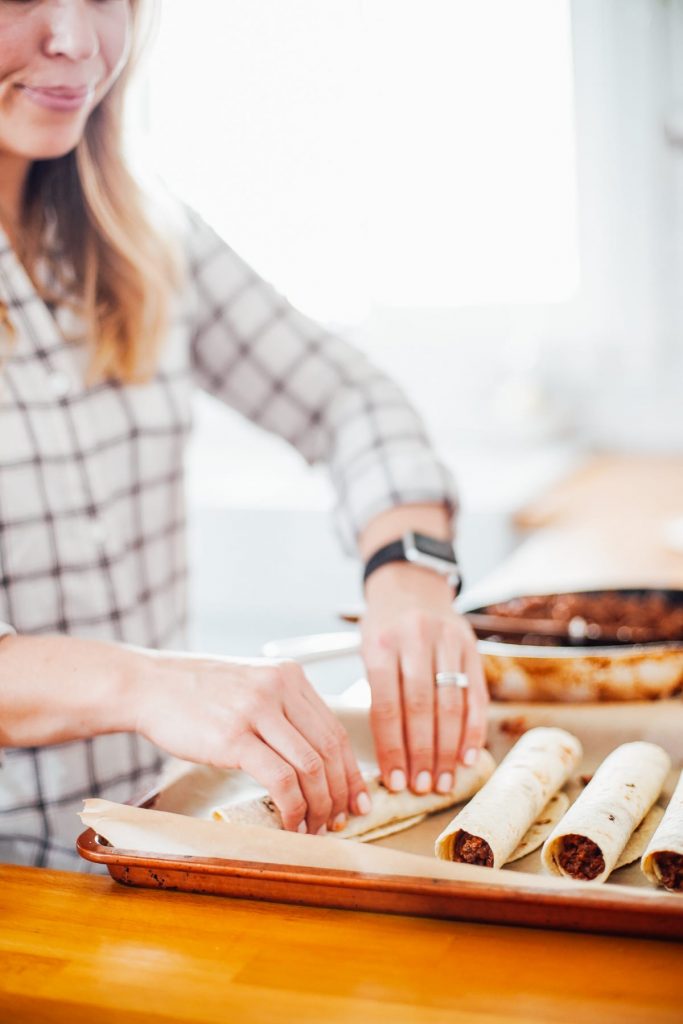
(52,146)
(47,138)
(57,150)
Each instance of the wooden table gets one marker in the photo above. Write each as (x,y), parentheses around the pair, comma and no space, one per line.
(76,948)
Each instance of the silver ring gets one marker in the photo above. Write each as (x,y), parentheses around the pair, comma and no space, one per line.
(458,679)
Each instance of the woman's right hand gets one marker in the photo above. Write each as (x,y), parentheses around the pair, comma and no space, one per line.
(262,717)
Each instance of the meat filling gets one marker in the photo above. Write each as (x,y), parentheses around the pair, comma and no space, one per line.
(581,857)
(670,870)
(613,609)
(469,849)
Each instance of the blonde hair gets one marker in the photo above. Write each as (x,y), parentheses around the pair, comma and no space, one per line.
(124,268)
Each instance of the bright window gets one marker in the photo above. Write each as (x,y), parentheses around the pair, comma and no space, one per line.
(376,153)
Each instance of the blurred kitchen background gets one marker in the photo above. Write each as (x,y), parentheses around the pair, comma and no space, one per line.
(486,197)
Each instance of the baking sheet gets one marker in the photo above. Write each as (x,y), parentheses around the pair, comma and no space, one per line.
(193,790)
(217,857)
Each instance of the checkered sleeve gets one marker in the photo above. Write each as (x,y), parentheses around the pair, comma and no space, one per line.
(254,351)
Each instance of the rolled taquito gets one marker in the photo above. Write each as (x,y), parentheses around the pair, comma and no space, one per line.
(663,859)
(490,827)
(589,840)
(391,812)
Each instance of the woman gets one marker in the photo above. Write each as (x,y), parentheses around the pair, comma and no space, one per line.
(111,317)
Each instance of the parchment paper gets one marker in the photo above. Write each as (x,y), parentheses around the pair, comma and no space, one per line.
(160,832)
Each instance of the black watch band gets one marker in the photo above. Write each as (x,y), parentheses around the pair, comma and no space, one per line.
(393,552)
(421,550)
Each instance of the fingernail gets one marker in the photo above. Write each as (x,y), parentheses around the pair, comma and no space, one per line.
(363,803)
(322,831)
(470,756)
(397,780)
(444,784)
(301,827)
(423,782)
(339,822)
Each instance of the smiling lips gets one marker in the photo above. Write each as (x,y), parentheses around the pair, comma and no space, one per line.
(58,98)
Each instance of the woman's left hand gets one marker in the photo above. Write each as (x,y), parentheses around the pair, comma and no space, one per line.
(410,632)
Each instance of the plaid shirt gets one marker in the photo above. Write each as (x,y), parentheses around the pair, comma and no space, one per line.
(92,503)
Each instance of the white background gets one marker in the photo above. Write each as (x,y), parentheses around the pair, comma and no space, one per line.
(485,196)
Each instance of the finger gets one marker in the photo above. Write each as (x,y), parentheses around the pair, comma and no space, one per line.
(323,737)
(450,713)
(386,717)
(417,669)
(477,700)
(278,777)
(358,799)
(275,730)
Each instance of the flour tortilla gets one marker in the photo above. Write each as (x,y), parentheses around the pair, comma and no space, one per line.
(542,827)
(638,843)
(668,838)
(391,812)
(504,810)
(611,807)
(390,829)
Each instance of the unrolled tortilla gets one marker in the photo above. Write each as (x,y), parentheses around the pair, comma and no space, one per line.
(391,812)
(597,827)
(662,862)
(390,829)
(502,812)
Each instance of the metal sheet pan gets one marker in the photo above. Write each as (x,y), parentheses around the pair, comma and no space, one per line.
(607,910)
(626,905)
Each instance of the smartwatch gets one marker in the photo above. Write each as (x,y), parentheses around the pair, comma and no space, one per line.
(419,549)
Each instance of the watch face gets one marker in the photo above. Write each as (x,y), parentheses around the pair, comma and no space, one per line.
(433,547)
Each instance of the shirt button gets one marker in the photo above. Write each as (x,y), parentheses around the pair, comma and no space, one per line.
(60,384)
